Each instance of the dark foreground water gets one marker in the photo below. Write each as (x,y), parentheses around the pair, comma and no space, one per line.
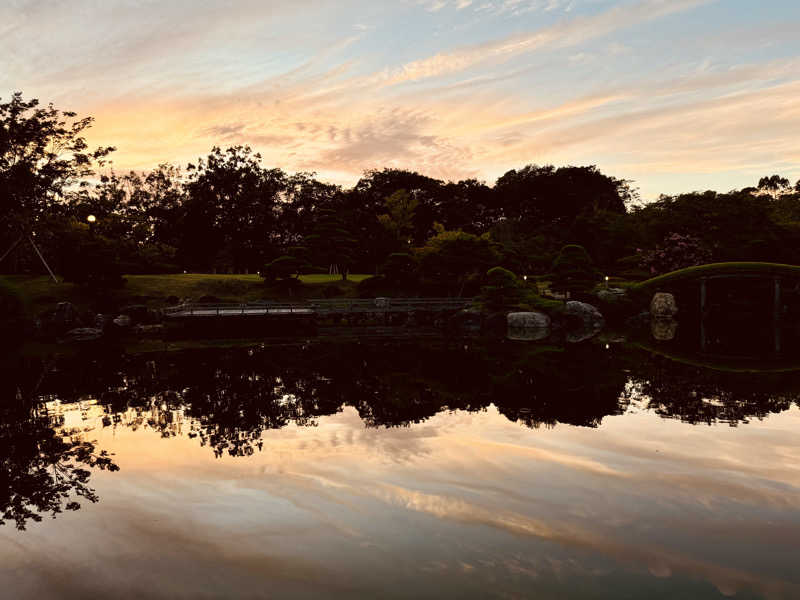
(397,470)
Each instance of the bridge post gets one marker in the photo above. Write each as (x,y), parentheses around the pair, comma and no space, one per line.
(777,309)
(703,292)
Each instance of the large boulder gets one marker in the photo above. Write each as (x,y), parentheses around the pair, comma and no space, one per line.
(83,334)
(611,295)
(663,306)
(528,320)
(586,313)
(588,319)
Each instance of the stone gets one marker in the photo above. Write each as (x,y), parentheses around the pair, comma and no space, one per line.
(528,320)
(590,321)
(663,306)
(611,295)
(586,313)
(664,330)
(83,334)
(122,321)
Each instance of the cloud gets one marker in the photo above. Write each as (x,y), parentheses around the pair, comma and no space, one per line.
(562,34)
(332,93)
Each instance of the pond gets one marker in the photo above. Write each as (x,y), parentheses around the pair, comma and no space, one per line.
(397,469)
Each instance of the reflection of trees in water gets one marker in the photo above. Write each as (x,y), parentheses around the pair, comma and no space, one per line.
(227,398)
(577,385)
(695,394)
(43,470)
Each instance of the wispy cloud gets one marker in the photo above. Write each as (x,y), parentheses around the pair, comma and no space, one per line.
(343,88)
(565,33)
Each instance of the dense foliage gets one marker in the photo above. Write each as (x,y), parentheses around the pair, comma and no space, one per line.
(228,212)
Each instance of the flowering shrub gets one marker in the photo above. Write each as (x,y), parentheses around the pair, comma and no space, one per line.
(675,252)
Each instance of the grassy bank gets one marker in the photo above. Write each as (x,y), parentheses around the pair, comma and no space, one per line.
(715,269)
(40,293)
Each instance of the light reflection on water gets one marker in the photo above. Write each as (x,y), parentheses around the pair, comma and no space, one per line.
(461,503)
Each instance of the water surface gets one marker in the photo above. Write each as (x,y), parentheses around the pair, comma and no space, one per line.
(379,470)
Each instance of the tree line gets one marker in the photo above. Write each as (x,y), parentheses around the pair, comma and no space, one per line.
(229,213)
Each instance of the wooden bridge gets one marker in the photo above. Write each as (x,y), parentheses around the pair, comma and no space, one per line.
(315,308)
(778,296)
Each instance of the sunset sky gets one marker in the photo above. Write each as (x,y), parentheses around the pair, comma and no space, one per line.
(674,94)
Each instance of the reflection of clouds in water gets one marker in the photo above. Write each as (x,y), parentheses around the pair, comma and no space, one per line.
(660,478)
(626,492)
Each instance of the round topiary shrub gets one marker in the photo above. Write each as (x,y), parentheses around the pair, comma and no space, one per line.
(573,270)
(502,290)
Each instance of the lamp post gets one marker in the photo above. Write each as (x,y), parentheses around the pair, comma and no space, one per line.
(91,220)
(606,281)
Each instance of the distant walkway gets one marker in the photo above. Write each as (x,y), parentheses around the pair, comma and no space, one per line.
(320,307)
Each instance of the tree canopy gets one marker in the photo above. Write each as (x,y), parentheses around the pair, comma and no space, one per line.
(228,212)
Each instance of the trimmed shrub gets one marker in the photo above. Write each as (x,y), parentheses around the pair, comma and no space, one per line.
(503,289)
(573,270)
(285,267)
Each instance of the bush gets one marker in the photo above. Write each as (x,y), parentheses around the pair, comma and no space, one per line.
(12,322)
(502,290)
(573,270)
(679,251)
(399,267)
(10,300)
(285,267)
(372,286)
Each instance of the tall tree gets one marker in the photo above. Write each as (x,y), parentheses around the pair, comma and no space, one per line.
(398,219)
(555,197)
(331,244)
(43,159)
(231,211)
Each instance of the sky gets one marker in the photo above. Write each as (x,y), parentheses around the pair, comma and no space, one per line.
(676,95)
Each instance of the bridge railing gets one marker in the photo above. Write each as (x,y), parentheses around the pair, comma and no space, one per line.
(228,308)
(320,306)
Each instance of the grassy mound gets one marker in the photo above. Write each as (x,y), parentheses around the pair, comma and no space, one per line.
(713,269)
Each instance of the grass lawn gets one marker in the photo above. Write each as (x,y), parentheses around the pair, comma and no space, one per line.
(40,293)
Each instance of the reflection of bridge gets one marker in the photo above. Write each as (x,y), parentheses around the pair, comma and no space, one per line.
(314,308)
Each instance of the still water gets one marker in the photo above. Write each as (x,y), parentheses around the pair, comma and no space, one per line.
(402,470)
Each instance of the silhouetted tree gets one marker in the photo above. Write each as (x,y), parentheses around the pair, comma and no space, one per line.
(231,210)
(44,158)
(331,244)
(452,259)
